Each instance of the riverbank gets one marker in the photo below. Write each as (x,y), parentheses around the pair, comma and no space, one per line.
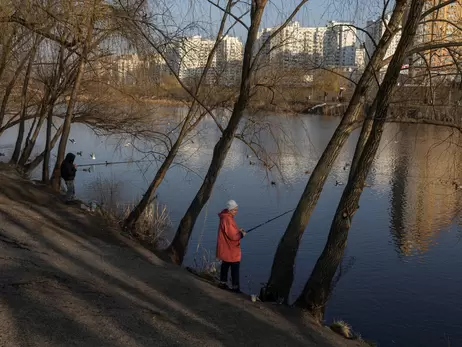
(68,279)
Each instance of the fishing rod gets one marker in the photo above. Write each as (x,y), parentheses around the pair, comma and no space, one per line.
(114,163)
(268,221)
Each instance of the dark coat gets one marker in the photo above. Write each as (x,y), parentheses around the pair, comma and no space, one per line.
(68,169)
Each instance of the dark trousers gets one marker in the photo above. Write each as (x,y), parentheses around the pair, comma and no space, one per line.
(234,273)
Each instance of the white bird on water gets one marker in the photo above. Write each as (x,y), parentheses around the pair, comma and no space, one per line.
(92,156)
(127,144)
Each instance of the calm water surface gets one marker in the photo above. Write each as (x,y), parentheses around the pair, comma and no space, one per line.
(403,282)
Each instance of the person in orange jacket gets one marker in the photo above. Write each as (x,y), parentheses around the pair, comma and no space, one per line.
(229,246)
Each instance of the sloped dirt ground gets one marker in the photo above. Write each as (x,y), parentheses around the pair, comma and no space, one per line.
(67,279)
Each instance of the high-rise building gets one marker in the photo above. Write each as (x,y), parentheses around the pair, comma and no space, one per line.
(229,60)
(229,49)
(133,68)
(340,44)
(193,55)
(440,26)
(360,61)
(375,30)
(188,58)
(297,46)
(286,48)
(313,44)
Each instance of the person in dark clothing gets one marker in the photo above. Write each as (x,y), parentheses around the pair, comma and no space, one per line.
(68,170)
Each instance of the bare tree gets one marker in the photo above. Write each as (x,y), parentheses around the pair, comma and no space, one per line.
(318,287)
(282,271)
(56,81)
(90,17)
(188,124)
(177,249)
(20,137)
(58,72)
(11,84)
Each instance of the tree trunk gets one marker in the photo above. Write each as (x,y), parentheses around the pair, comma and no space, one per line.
(133,217)
(177,248)
(31,139)
(29,133)
(56,177)
(48,145)
(28,168)
(363,136)
(19,139)
(282,272)
(67,125)
(147,198)
(9,88)
(48,102)
(46,157)
(6,50)
(318,288)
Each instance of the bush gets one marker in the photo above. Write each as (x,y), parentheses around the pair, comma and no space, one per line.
(153,224)
(342,328)
(206,265)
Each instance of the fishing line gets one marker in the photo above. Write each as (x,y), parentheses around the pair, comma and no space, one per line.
(269,220)
(116,162)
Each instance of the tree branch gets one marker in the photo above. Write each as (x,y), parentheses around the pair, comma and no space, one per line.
(238,19)
(277,31)
(443,21)
(21,21)
(425,47)
(436,8)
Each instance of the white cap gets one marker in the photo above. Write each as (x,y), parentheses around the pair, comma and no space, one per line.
(231,205)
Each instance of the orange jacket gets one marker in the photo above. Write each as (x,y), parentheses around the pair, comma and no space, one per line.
(229,236)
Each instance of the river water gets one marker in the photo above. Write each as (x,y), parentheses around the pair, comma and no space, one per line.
(402,279)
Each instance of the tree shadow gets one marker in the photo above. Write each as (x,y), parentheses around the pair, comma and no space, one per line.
(67,279)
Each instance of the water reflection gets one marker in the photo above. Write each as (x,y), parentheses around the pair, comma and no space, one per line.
(423,197)
(398,202)
(408,210)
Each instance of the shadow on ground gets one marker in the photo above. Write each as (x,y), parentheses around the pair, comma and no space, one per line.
(67,279)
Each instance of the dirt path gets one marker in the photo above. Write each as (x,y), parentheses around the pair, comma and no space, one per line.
(66,280)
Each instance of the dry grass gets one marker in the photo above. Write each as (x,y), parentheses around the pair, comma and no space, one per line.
(153,224)
(206,266)
(342,328)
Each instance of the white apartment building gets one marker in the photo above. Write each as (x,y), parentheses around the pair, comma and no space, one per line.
(313,44)
(294,46)
(189,56)
(360,61)
(229,49)
(132,68)
(376,28)
(192,54)
(127,64)
(340,44)
(229,57)
(285,48)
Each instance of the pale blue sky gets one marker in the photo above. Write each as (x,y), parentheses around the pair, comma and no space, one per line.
(314,13)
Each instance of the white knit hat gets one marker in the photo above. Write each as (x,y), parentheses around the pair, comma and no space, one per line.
(231,205)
